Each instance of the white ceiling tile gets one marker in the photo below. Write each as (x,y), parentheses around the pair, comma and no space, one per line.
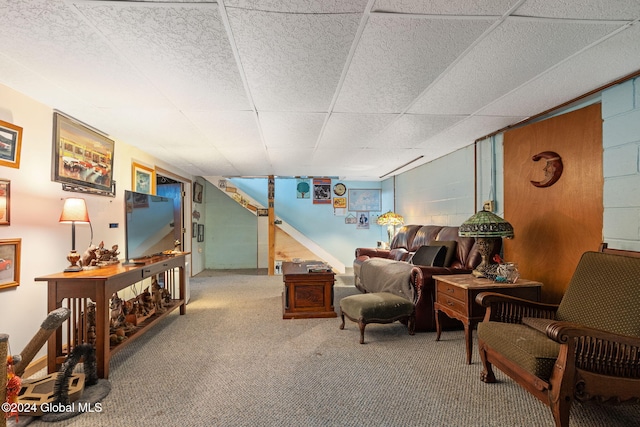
(445,7)
(182,49)
(51,40)
(583,9)
(537,45)
(236,129)
(411,130)
(296,130)
(398,57)
(293,62)
(615,57)
(344,130)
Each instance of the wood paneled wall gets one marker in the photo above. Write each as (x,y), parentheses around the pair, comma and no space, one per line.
(554,225)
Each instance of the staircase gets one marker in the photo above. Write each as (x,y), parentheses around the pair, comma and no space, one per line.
(284,231)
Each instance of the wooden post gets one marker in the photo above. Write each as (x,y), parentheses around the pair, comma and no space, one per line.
(272,227)
(4,345)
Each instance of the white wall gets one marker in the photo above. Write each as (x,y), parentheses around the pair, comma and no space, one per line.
(439,192)
(621,165)
(36,203)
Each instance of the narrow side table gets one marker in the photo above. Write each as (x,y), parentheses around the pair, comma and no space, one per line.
(456,295)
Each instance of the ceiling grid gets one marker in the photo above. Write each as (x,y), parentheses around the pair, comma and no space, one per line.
(311,87)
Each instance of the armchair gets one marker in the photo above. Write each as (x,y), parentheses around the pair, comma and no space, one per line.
(587,347)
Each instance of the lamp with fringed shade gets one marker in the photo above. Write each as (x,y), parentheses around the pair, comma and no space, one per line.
(486,227)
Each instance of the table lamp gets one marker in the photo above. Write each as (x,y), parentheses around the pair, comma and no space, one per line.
(74,211)
(390,219)
(486,227)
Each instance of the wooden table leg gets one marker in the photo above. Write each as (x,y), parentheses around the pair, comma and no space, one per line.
(468,337)
(438,327)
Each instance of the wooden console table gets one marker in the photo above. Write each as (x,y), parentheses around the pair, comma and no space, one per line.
(456,297)
(306,294)
(74,290)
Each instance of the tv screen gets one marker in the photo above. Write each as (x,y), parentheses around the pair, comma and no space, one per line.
(149,225)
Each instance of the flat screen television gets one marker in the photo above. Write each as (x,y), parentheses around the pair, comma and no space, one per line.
(149,225)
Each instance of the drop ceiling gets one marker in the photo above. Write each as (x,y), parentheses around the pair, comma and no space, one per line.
(353,89)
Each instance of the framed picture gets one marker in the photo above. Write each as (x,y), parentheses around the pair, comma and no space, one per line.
(363,219)
(339,202)
(198,189)
(81,156)
(302,188)
(5,206)
(10,143)
(200,232)
(194,230)
(143,178)
(9,263)
(365,200)
(321,191)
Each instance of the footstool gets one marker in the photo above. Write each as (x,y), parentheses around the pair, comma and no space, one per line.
(377,307)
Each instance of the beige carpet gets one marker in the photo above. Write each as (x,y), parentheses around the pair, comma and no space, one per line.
(233,361)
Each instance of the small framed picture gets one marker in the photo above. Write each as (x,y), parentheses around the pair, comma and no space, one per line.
(194,230)
(5,205)
(363,219)
(198,189)
(200,232)
(143,179)
(10,143)
(9,263)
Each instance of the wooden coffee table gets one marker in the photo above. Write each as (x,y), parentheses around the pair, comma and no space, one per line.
(456,295)
(306,294)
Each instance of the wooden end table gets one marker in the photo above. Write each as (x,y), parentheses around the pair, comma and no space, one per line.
(306,294)
(456,295)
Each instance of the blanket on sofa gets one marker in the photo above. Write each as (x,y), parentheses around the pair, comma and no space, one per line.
(386,275)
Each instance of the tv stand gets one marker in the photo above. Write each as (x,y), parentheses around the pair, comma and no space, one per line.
(76,290)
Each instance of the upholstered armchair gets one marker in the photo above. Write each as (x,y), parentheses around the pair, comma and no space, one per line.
(587,347)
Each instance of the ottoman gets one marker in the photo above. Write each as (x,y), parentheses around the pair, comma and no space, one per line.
(377,307)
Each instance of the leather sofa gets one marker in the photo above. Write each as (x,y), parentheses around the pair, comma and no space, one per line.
(406,242)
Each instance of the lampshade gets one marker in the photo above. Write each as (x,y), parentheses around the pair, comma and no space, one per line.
(390,218)
(74,210)
(485,224)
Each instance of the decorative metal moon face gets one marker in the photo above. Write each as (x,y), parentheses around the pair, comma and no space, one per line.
(552,169)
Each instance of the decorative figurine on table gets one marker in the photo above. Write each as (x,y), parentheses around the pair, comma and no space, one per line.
(98,256)
(156,292)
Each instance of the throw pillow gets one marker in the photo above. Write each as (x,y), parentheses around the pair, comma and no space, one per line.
(430,256)
(451,249)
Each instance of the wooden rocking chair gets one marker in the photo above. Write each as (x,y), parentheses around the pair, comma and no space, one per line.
(587,347)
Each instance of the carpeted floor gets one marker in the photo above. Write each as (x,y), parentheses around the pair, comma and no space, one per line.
(233,361)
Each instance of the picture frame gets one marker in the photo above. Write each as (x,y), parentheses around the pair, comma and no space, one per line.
(339,202)
(200,232)
(10,144)
(198,189)
(365,200)
(321,191)
(363,219)
(82,157)
(194,230)
(10,263)
(143,178)
(5,202)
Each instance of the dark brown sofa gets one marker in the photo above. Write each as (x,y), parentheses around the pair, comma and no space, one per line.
(406,242)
